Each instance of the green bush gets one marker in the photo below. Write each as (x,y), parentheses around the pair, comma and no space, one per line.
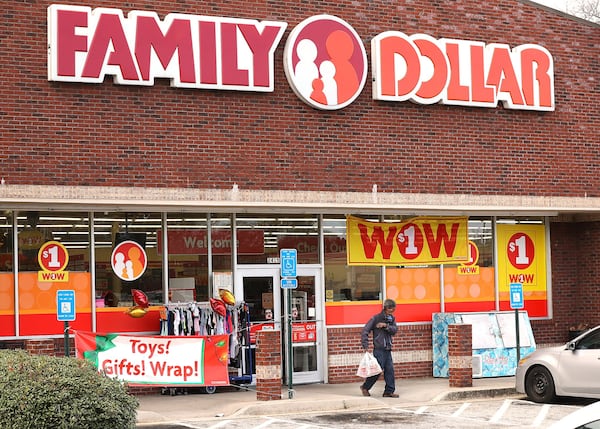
(60,392)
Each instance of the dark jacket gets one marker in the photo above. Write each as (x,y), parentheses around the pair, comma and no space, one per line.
(382,337)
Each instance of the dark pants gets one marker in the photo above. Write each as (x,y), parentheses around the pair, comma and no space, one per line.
(384,357)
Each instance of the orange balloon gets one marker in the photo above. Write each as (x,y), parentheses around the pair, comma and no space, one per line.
(136,312)
(227,296)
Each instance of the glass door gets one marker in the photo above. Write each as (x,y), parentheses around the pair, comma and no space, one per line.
(260,287)
(306,309)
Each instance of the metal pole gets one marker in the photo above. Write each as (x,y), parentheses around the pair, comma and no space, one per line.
(289,341)
(518,342)
(67,354)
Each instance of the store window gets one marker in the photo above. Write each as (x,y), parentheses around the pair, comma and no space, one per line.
(470,286)
(113,228)
(53,254)
(70,229)
(192,275)
(501,251)
(521,247)
(421,290)
(343,282)
(7,289)
(260,237)
(222,244)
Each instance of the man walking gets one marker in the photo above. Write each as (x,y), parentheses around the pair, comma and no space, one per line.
(384,328)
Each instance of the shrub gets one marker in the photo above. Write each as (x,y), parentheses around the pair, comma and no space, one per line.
(60,392)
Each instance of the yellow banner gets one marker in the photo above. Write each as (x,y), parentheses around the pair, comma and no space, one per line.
(53,276)
(421,240)
(522,257)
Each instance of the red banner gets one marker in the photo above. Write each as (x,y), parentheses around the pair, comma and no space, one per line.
(158,360)
(195,242)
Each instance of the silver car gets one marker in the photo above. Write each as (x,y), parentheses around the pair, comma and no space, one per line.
(569,370)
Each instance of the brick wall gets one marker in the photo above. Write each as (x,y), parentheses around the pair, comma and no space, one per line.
(411,352)
(460,352)
(575,280)
(268,365)
(105,134)
(588,274)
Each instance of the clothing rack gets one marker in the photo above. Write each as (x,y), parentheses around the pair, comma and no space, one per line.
(199,319)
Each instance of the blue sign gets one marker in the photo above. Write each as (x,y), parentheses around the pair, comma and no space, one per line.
(288,259)
(516,296)
(65,305)
(289,283)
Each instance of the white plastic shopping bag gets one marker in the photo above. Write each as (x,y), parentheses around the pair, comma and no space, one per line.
(368,366)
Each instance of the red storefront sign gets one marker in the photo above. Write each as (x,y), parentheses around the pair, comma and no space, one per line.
(195,242)
(304,332)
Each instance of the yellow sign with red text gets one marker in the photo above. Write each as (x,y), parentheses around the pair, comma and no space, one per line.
(522,257)
(421,240)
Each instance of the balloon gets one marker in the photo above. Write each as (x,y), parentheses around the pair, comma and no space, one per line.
(227,296)
(136,312)
(139,298)
(218,306)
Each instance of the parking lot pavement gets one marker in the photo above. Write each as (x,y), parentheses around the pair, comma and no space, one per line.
(232,402)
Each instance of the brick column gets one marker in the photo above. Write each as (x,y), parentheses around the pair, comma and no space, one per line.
(40,347)
(268,365)
(460,355)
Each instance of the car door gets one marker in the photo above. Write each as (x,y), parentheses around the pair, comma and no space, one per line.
(578,368)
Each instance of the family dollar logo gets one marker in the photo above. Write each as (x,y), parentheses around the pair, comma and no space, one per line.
(129,260)
(325,62)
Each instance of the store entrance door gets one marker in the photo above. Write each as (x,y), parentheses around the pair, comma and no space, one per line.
(260,287)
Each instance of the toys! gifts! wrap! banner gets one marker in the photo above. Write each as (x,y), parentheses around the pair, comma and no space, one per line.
(421,240)
(157,360)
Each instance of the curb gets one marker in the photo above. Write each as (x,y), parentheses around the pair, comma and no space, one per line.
(285,407)
(475,393)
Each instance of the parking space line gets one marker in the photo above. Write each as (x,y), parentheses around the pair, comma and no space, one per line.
(501,411)
(541,415)
(268,423)
(421,410)
(462,408)
(297,425)
(220,424)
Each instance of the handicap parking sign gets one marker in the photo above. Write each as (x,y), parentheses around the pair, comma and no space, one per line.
(516,296)
(288,259)
(65,305)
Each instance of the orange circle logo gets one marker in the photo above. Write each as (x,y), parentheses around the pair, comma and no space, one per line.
(325,62)
(129,260)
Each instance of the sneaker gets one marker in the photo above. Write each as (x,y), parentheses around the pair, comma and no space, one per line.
(391,395)
(364,391)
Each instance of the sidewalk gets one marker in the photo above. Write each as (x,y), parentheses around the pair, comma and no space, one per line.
(229,402)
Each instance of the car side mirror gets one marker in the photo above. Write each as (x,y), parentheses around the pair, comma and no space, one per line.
(571,345)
